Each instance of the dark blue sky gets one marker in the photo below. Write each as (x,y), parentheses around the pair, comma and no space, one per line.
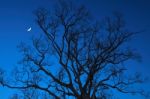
(17,15)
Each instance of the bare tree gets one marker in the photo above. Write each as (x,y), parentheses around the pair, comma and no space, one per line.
(76,56)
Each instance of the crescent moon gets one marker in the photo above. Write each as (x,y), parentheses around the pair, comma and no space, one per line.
(29,29)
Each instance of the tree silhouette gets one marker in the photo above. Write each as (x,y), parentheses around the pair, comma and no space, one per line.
(75,57)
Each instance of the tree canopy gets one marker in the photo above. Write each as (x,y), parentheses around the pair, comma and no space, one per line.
(76,56)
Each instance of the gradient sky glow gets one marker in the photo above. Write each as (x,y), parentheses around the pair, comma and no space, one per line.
(16,16)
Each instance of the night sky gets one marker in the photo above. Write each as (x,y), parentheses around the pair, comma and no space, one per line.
(16,16)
